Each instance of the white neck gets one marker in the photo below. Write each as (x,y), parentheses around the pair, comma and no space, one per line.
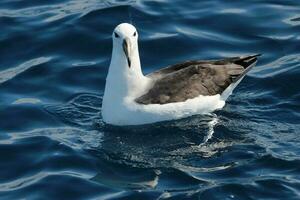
(123,81)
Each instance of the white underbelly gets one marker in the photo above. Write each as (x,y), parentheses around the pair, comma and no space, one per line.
(130,113)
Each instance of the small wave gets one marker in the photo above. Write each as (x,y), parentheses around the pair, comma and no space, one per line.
(14,71)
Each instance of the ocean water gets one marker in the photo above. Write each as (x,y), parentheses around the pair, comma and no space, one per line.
(54,56)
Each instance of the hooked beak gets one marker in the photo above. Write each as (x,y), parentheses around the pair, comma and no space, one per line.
(127,50)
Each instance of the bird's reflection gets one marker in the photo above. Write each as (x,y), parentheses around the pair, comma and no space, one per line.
(161,144)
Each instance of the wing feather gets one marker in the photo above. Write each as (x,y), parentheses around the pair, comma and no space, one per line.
(190,79)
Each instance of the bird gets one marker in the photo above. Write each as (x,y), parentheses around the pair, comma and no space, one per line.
(173,92)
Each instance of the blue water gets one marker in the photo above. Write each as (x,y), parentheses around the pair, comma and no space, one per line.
(54,56)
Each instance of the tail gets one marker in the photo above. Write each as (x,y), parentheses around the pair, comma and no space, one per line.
(246,61)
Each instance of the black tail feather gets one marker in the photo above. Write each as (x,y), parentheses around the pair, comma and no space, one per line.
(247,61)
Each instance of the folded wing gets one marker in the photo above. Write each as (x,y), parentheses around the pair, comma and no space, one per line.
(180,82)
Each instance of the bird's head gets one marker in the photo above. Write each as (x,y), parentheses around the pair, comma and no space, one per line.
(125,39)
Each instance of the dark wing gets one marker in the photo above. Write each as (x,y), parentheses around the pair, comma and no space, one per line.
(190,79)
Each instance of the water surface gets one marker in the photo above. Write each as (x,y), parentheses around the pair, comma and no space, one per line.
(54,57)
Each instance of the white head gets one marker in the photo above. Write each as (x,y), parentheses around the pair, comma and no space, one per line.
(125,79)
(124,76)
(125,39)
(125,67)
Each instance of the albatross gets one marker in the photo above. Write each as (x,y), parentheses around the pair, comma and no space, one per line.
(173,92)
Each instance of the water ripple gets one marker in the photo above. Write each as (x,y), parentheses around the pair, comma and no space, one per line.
(54,144)
(10,73)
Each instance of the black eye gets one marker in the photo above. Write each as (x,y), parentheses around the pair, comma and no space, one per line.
(116,35)
(134,34)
